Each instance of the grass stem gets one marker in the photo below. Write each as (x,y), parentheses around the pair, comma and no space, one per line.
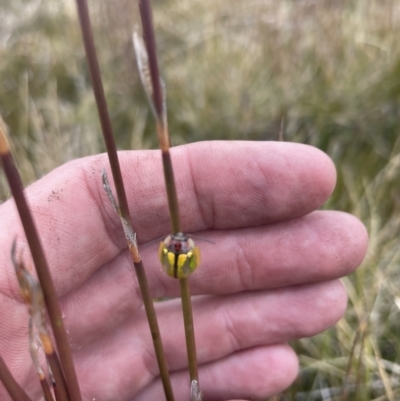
(189,328)
(122,207)
(42,269)
(148,66)
(171,192)
(16,392)
(48,396)
(39,335)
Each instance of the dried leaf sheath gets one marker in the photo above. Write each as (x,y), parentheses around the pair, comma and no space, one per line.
(130,235)
(32,294)
(34,346)
(144,67)
(42,269)
(145,77)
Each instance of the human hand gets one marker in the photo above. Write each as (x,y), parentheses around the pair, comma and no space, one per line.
(271,277)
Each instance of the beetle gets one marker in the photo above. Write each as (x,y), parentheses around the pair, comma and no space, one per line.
(179,255)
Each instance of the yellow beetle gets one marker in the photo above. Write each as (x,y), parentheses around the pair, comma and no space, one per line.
(179,255)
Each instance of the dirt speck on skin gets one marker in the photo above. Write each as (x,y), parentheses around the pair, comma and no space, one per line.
(55,195)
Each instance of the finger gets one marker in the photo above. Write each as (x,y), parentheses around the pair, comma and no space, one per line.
(220,185)
(257,373)
(223,325)
(317,247)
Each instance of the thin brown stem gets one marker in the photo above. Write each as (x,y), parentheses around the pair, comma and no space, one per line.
(48,396)
(95,74)
(282,129)
(58,376)
(155,91)
(150,42)
(42,269)
(147,62)
(155,331)
(171,192)
(123,209)
(56,391)
(16,392)
(189,329)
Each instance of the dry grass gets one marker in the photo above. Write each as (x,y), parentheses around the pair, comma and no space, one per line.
(233,70)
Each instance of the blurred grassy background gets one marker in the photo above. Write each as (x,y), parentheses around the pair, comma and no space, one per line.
(236,69)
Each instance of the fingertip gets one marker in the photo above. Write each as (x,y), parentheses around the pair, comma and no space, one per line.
(321,171)
(335,301)
(360,241)
(326,176)
(258,372)
(307,174)
(281,181)
(353,241)
(324,304)
(284,357)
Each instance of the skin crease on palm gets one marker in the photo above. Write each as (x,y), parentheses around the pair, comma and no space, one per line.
(271,276)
